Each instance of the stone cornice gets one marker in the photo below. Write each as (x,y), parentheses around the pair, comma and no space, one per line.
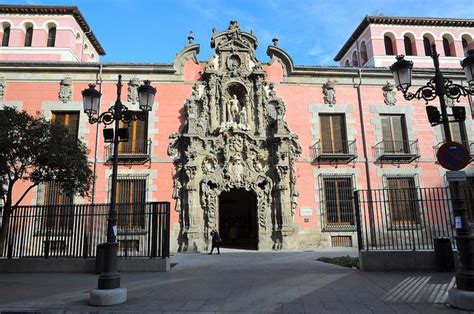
(56,10)
(386,20)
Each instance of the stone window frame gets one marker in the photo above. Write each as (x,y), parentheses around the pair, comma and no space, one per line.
(405,173)
(349,117)
(400,109)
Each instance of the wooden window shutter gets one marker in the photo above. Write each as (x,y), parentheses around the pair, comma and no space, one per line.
(458,132)
(333,134)
(70,120)
(137,137)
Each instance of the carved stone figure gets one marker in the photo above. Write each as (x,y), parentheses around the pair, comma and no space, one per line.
(2,87)
(133,85)
(233,108)
(226,144)
(243,117)
(389,94)
(65,89)
(329,93)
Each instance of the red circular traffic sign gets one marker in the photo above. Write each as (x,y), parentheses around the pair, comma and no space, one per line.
(453,156)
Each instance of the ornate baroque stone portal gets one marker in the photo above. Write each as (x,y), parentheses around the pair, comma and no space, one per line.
(235,137)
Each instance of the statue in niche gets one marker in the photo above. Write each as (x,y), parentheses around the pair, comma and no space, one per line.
(243,117)
(177,194)
(65,89)
(233,106)
(329,93)
(389,94)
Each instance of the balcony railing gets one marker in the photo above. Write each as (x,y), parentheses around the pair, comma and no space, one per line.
(469,146)
(137,151)
(330,151)
(396,151)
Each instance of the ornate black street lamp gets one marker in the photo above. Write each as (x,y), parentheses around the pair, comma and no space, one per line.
(109,291)
(463,295)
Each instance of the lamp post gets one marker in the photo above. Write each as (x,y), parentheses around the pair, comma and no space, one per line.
(108,291)
(463,295)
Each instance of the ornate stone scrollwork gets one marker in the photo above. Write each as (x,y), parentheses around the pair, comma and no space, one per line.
(133,85)
(389,94)
(65,89)
(228,143)
(329,93)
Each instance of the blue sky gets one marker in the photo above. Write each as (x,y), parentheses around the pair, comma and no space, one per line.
(312,32)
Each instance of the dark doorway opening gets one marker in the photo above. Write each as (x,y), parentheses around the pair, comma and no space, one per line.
(238,219)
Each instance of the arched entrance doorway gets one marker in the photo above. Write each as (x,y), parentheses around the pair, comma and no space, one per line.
(238,215)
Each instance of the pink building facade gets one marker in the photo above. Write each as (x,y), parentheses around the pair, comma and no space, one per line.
(349,121)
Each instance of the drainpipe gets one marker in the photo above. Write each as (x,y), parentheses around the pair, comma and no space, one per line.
(96,148)
(366,158)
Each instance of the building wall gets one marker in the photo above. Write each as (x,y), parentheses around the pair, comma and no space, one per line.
(303,96)
(71,43)
(374,34)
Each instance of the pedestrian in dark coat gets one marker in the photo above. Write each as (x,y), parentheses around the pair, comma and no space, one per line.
(216,239)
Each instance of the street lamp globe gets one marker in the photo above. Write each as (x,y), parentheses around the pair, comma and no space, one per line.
(401,71)
(146,96)
(468,66)
(91,99)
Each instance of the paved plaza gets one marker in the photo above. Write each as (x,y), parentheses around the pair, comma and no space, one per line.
(240,282)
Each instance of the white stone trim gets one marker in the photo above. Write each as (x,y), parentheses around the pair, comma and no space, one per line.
(346,109)
(11,103)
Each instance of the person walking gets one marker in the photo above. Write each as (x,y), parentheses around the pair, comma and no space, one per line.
(216,239)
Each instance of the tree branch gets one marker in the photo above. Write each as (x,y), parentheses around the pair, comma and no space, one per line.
(24,194)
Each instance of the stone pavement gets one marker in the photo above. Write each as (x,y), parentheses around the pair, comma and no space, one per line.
(240,282)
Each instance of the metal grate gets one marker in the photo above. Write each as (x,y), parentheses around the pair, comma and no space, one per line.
(341,241)
(336,202)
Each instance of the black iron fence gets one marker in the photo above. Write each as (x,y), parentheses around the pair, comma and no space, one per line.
(406,219)
(75,230)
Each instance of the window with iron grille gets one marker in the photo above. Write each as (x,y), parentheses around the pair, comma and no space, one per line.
(333,134)
(403,200)
(337,204)
(131,198)
(58,208)
(137,137)
(394,134)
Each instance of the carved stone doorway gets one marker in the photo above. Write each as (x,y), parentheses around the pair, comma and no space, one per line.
(238,210)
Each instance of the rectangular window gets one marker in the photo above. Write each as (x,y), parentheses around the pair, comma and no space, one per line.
(333,134)
(403,200)
(57,214)
(137,138)
(338,206)
(69,119)
(131,198)
(458,132)
(394,133)
(58,211)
